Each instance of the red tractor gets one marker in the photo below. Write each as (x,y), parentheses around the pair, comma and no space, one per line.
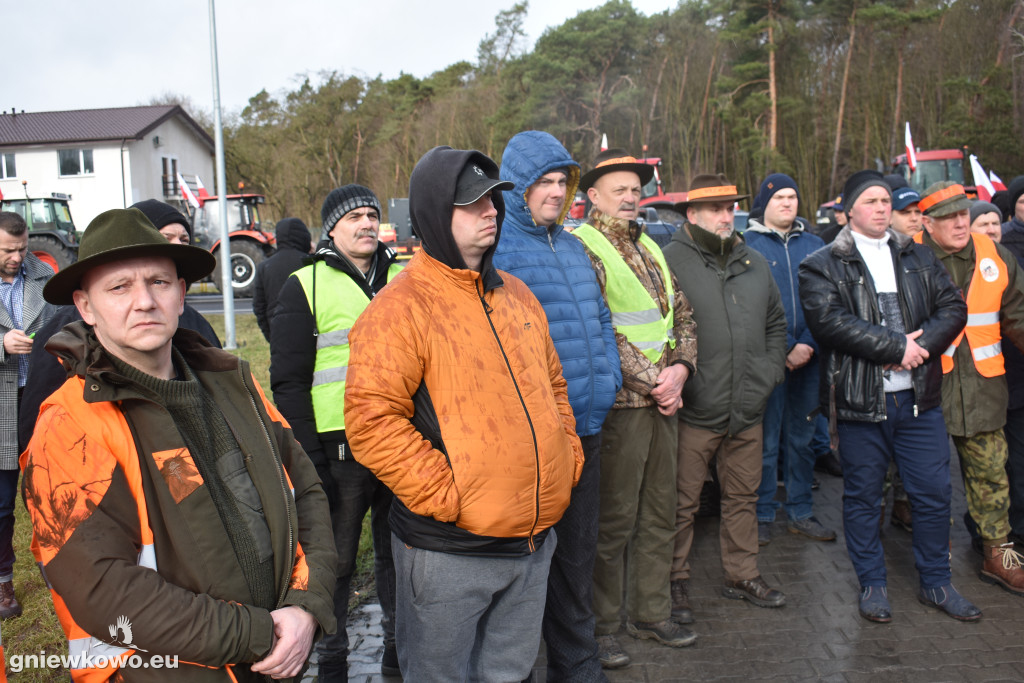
(250,243)
(934,165)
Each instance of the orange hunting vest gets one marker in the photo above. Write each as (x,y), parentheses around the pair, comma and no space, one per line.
(984,298)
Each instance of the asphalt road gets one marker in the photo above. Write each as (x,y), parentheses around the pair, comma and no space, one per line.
(214,304)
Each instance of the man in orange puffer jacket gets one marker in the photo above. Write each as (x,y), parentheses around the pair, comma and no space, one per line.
(455,400)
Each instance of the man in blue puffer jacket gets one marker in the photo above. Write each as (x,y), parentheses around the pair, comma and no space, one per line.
(780,238)
(535,247)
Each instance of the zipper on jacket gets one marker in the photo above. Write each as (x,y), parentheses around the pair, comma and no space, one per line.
(529,420)
(288,499)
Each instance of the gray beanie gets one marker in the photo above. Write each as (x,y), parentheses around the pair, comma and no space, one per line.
(980,208)
(344,199)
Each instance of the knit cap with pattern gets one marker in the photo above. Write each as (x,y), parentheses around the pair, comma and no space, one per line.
(215,452)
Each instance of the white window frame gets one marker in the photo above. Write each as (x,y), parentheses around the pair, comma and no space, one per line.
(4,175)
(81,162)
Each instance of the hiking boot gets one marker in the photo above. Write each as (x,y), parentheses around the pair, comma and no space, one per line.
(811,528)
(756,591)
(874,604)
(389,661)
(9,605)
(947,599)
(764,533)
(666,632)
(1002,567)
(681,612)
(901,515)
(610,653)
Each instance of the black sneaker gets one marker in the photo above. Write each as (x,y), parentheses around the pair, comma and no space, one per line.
(389,661)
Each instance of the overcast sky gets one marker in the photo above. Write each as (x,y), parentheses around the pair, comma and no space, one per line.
(70,54)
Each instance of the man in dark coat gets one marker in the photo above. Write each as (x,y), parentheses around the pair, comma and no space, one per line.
(741,357)
(293,247)
(883,309)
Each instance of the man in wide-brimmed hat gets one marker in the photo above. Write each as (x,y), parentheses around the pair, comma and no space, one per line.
(657,350)
(742,355)
(974,388)
(172,510)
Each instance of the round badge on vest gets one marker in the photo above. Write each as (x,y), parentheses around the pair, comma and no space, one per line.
(989,270)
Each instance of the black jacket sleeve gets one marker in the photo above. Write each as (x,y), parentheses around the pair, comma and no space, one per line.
(191,319)
(292,358)
(259,300)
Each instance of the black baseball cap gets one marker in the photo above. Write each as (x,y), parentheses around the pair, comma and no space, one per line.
(474,183)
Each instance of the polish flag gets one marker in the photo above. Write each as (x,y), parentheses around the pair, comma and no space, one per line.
(984,185)
(996,182)
(911,155)
(604,141)
(200,190)
(187,193)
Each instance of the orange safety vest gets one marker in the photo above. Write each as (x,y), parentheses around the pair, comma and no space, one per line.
(984,299)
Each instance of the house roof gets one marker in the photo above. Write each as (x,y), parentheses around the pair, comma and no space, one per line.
(91,125)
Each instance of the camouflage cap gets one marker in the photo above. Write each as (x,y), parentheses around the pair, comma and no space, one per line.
(944,198)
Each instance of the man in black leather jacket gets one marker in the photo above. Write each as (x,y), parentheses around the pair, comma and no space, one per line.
(883,309)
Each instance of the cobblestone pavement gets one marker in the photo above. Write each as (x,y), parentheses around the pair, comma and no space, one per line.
(818,635)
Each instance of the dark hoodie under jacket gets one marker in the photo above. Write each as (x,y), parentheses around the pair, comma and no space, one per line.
(293,349)
(293,242)
(432,200)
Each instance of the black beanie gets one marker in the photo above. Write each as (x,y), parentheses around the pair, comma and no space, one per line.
(344,199)
(161,214)
(857,183)
(1015,189)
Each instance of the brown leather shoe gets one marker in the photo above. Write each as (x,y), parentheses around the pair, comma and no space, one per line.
(756,591)
(9,605)
(681,612)
(901,515)
(1002,567)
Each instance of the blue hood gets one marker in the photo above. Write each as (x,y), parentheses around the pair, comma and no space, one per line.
(528,156)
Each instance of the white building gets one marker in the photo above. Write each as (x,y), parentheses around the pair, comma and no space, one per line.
(104,158)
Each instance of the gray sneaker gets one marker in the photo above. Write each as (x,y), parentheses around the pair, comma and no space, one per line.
(811,528)
(764,533)
(610,653)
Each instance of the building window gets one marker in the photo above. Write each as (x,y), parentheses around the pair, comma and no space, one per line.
(170,177)
(75,161)
(7,169)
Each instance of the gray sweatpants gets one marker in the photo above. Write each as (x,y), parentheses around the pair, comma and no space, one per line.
(469,618)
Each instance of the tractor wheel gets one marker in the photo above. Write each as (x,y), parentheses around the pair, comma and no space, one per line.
(245,256)
(51,251)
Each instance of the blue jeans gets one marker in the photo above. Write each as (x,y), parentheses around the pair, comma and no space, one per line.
(920,447)
(568,614)
(8,496)
(356,490)
(786,426)
(469,617)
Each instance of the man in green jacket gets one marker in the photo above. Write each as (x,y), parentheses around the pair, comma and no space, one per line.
(740,360)
(174,515)
(974,389)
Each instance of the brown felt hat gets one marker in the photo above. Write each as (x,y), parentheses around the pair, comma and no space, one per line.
(707,188)
(615,159)
(121,234)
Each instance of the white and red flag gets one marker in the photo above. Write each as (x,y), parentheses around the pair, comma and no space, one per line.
(604,141)
(984,185)
(996,182)
(911,154)
(200,190)
(186,192)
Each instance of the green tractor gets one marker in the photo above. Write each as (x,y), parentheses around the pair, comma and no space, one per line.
(52,236)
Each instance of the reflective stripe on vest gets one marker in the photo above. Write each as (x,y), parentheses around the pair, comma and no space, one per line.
(984,299)
(634,312)
(339,302)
